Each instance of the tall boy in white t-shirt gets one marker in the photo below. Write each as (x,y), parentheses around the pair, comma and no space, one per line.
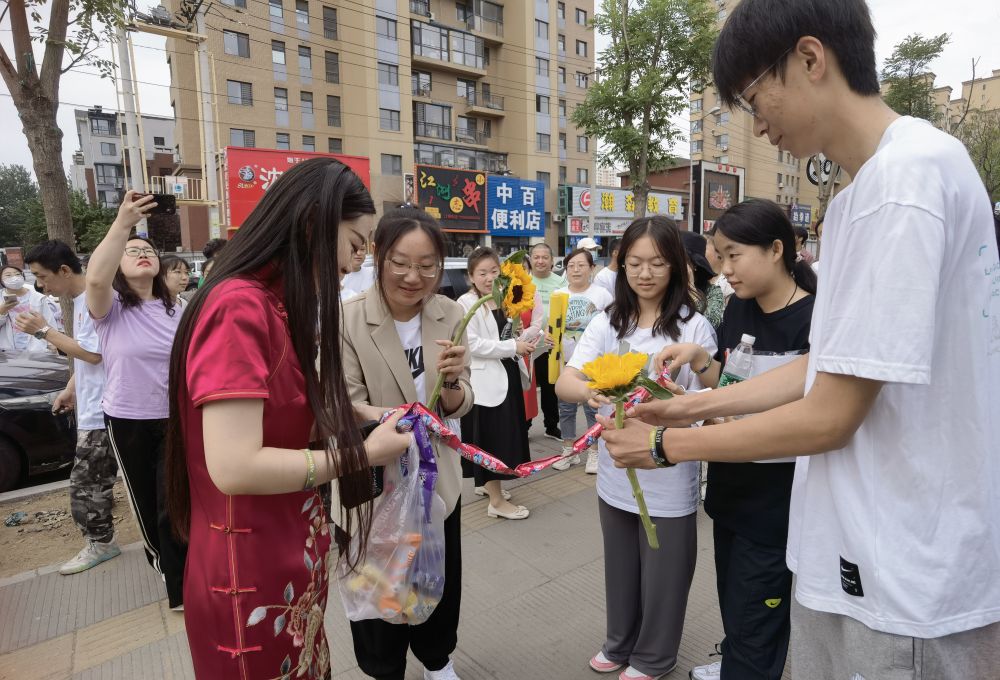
(893,532)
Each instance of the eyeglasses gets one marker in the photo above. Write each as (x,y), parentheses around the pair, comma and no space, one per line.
(577,267)
(132,251)
(655,270)
(428,271)
(740,100)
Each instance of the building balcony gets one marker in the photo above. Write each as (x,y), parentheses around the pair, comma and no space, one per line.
(483,104)
(422,91)
(184,188)
(454,63)
(103,181)
(489,30)
(471,136)
(432,130)
(422,7)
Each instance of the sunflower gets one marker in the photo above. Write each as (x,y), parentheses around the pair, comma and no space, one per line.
(614,372)
(520,292)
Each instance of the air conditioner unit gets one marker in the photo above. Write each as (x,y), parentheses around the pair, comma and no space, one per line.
(724,147)
(781,185)
(430,17)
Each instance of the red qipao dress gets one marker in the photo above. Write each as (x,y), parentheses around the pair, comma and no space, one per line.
(255,584)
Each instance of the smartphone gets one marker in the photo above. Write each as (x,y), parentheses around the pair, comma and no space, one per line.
(166,204)
(9,298)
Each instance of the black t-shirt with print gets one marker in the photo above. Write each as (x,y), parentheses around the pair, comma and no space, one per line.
(751,499)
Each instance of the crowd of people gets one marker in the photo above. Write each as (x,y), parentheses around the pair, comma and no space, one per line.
(253,420)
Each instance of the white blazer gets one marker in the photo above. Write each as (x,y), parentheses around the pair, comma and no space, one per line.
(488,376)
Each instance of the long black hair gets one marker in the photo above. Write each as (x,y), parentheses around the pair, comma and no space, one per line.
(293,229)
(678,303)
(129,297)
(759,222)
(396,224)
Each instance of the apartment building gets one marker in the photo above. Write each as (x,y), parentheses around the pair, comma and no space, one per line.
(100,161)
(981,94)
(471,84)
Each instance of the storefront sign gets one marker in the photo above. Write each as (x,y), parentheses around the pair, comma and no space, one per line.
(251,172)
(515,207)
(455,197)
(718,187)
(800,215)
(620,203)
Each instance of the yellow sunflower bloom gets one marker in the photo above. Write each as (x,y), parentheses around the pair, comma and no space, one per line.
(612,372)
(520,294)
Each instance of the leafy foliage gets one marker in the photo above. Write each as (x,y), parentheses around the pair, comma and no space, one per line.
(657,49)
(981,136)
(905,74)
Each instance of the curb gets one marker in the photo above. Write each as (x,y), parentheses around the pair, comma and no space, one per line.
(53,568)
(32,491)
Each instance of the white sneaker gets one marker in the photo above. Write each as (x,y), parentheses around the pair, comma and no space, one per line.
(446,673)
(567,460)
(92,554)
(591,467)
(481,491)
(712,671)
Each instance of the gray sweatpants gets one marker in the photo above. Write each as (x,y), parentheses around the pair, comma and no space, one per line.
(828,645)
(646,589)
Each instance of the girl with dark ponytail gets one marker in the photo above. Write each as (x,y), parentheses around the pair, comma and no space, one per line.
(773,301)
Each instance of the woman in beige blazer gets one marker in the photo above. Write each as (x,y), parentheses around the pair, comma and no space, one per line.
(396,341)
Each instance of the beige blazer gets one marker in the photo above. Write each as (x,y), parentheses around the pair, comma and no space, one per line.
(377,373)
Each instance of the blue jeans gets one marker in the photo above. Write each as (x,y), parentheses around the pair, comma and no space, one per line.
(567,418)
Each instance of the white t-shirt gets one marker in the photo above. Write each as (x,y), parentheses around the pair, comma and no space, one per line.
(669,492)
(357,283)
(89,377)
(413,347)
(900,529)
(582,308)
(13,340)
(606,280)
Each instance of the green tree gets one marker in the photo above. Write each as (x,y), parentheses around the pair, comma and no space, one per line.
(75,30)
(657,50)
(981,136)
(89,221)
(17,191)
(906,75)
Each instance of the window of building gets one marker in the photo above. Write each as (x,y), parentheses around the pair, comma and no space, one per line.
(722,118)
(280,99)
(541,66)
(388,74)
(307,102)
(581,17)
(159,141)
(562,169)
(582,176)
(274,8)
(107,174)
(236,44)
(562,108)
(332,61)
(541,103)
(696,105)
(305,59)
(696,146)
(124,130)
(696,125)
(541,29)
(388,119)
(385,28)
(329,23)
(487,129)
(582,79)
(544,177)
(333,110)
(282,140)
(392,164)
(432,120)
(335,145)
(543,142)
(561,42)
(581,48)
(466,89)
(467,129)
(582,144)
(238,137)
(242,4)
(561,10)
(302,14)
(308,143)
(561,74)
(722,141)
(562,141)
(780,181)
(239,93)
(108,149)
(278,52)
(420,81)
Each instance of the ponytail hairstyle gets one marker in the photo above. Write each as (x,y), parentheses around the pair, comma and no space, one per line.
(759,222)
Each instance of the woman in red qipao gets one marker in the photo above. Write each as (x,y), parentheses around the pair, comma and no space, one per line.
(246,397)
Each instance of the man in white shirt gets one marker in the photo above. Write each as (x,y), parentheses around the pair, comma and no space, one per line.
(92,478)
(606,277)
(893,532)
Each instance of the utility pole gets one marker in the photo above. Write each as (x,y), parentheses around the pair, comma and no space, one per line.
(133,145)
(210,157)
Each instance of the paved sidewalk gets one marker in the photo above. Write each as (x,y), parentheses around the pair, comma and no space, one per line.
(532,607)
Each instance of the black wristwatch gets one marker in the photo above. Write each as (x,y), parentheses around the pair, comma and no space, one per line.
(42,332)
(659,456)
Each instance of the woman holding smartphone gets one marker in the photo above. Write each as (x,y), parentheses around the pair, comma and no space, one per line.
(20,298)
(136,319)
(397,341)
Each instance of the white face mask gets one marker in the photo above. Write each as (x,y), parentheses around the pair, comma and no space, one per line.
(15,282)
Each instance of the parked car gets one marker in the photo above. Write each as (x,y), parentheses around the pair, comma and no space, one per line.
(32,439)
(454,279)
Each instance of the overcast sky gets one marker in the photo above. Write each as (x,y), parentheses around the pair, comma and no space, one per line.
(971,23)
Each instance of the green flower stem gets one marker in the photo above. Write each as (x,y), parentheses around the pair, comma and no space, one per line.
(436,394)
(640,500)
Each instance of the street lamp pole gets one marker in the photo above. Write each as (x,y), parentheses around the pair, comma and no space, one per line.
(711,111)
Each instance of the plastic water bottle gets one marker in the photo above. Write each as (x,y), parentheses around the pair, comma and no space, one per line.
(739,366)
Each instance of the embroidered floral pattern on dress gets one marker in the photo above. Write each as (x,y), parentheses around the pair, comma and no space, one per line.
(302,618)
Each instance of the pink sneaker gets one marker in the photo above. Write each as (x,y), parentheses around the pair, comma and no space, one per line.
(601,664)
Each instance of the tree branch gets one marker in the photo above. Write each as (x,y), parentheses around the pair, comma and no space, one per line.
(23,55)
(968,104)
(10,78)
(55,48)
(82,57)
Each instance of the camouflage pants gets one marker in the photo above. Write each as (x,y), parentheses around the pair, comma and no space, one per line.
(91,484)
